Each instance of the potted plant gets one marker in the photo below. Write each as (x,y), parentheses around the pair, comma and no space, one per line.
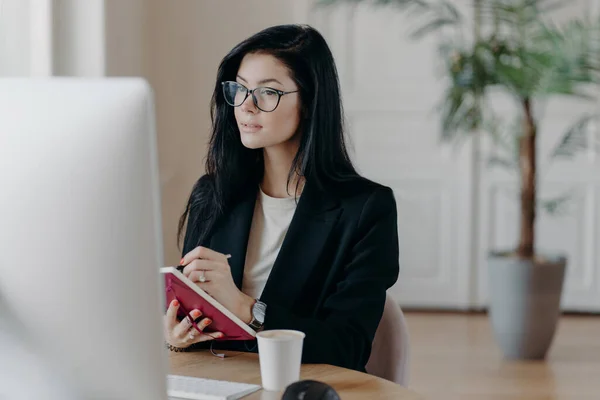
(515,49)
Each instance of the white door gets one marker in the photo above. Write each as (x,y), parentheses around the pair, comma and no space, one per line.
(389,90)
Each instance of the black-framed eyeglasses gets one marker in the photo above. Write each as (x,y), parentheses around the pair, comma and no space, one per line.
(265,98)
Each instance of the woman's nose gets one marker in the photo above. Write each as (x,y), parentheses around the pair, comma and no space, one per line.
(248,105)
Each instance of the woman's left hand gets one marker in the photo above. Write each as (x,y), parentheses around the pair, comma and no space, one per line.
(213,267)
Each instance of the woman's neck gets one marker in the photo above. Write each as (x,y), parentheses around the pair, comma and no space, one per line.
(278,162)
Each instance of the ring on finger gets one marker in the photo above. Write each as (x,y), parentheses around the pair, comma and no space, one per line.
(202,277)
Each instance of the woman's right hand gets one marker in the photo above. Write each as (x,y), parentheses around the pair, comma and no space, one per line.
(182,334)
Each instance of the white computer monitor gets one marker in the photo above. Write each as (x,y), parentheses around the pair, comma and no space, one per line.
(81,300)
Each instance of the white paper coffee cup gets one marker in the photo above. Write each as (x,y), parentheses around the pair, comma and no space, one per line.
(280,356)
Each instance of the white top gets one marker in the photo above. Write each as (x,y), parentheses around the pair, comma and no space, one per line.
(271,220)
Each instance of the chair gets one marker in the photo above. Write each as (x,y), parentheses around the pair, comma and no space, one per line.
(390,350)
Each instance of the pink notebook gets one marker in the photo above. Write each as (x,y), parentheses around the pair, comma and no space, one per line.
(191,297)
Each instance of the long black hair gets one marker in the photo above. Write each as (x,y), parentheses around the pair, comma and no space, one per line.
(232,169)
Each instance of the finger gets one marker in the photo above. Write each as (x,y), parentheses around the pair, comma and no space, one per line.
(195,276)
(171,314)
(206,265)
(183,327)
(204,253)
(206,286)
(192,332)
(206,337)
(209,276)
(204,323)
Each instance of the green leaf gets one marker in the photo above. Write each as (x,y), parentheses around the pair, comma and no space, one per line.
(460,113)
(451,10)
(504,137)
(432,26)
(575,139)
(557,206)
(546,6)
(498,161)
(513,77)
(573,64)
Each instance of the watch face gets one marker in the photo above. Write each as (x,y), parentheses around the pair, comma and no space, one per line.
(258,311)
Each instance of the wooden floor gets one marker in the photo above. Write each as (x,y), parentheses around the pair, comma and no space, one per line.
(454,357)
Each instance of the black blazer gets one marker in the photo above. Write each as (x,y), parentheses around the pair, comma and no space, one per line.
(338,258)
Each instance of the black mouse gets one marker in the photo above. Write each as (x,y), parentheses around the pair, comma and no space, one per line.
(310,390)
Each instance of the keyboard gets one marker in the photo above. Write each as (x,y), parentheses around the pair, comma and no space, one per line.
(187,387)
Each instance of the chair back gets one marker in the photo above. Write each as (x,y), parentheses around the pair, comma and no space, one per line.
(390,350)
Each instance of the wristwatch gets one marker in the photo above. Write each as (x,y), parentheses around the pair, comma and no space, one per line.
(258,315)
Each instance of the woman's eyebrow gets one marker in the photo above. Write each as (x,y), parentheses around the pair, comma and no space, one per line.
(269,81)
(264,81)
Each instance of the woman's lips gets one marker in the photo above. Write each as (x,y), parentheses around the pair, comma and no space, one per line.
(250,127)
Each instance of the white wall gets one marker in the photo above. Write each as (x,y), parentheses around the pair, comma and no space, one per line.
(14,38)
(124,37)
(52,37)
(79,37)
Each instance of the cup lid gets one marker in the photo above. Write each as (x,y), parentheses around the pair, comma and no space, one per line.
(281,334)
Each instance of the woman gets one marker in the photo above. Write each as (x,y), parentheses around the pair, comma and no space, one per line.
(313,246)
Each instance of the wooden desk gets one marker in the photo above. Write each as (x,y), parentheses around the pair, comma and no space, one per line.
(244,367)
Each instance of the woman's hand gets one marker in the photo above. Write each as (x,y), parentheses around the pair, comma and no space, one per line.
(183,334)
(210,271)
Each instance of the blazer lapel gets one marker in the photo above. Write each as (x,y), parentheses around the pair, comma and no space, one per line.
(231,237)
(315,216)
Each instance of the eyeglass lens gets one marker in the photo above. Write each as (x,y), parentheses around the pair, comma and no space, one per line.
(266,99)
